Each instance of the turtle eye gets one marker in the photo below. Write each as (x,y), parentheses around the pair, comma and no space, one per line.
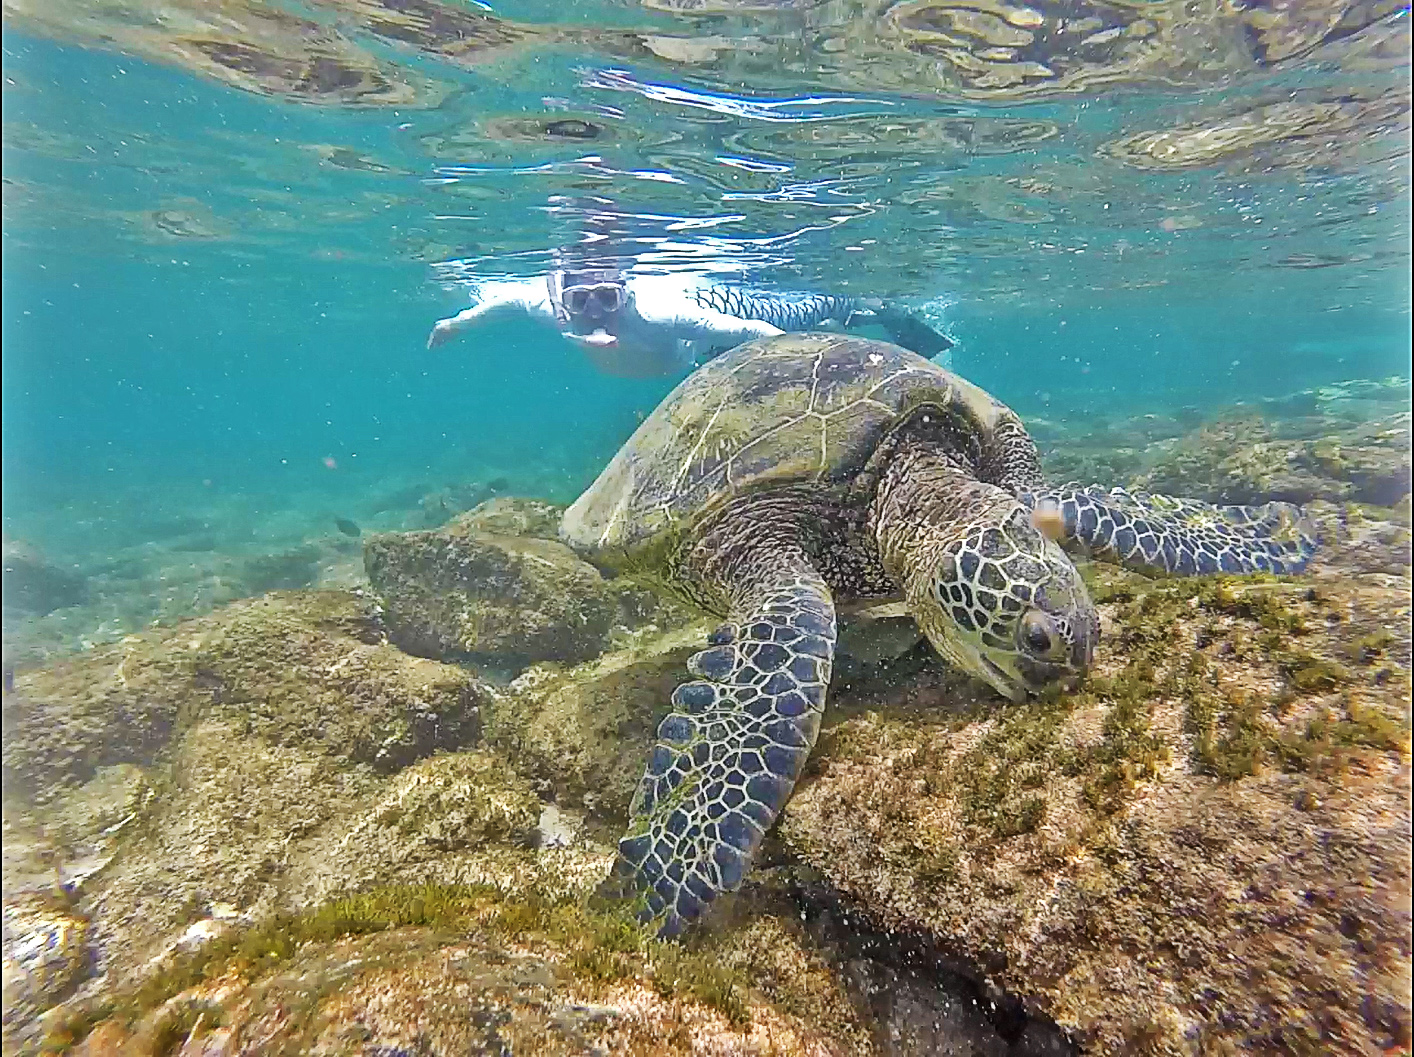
(1038,633)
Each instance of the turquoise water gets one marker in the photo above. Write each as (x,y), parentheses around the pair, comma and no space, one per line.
(218,283)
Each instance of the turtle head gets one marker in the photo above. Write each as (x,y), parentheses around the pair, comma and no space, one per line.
(1004,603)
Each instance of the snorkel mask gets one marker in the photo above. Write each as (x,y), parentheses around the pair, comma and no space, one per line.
(599,299)
(588,302)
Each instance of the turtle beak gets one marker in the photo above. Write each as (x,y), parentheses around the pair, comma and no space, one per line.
(1001,682)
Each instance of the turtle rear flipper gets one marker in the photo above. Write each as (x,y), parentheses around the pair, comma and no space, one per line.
(729,754)
(1182,537)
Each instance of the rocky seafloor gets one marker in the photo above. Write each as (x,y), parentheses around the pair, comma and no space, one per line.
(366,818)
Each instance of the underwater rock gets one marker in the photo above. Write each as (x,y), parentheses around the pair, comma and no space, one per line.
(243,828)
(954,871)
(33,585)
(514,516)
(918,999)
(1245,459)
(455,819)
(505,600)
(308,668)
(46,955)
(1339,444)
(466,592)
(1205,847)
(222,924)
(75,833)
(482,975)
(1356,540)
(583,733)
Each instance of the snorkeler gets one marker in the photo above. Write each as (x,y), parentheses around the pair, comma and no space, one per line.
(642,325)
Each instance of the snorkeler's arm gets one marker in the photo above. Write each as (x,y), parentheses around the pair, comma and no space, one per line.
(528,296)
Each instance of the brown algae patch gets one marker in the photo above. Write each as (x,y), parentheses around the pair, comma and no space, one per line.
(355,954)
(1233,777)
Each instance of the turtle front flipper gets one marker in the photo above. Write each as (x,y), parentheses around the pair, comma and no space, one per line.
(1182,537)
(729,754)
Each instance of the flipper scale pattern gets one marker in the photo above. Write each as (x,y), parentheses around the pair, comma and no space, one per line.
(728,756)
(1181,537)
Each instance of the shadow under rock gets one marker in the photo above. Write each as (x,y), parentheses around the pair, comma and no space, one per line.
(919,999)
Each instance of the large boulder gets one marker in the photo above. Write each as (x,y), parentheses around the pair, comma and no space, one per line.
(495,589)
(1206,849)
(306,668)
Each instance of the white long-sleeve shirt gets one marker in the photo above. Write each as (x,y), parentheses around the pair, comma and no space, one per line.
(667,322)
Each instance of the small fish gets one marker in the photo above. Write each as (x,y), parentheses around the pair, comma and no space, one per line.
(499,484)
(1048,520)
(347,527)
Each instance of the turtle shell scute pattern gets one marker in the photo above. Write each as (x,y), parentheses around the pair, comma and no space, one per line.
(777,410)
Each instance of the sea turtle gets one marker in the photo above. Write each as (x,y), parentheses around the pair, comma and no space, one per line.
(802,472)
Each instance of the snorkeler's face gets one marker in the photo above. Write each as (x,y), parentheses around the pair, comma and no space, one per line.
(594,301)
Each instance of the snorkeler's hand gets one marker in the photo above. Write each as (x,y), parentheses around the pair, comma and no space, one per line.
(443,331)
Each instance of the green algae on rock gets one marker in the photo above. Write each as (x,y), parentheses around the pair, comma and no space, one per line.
(582,732)
(1232,778)
(452,970)
(1342,443)
(471,591)
(1243,458)
(226,881)
(1227,781)
(224,862)
(312,668)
